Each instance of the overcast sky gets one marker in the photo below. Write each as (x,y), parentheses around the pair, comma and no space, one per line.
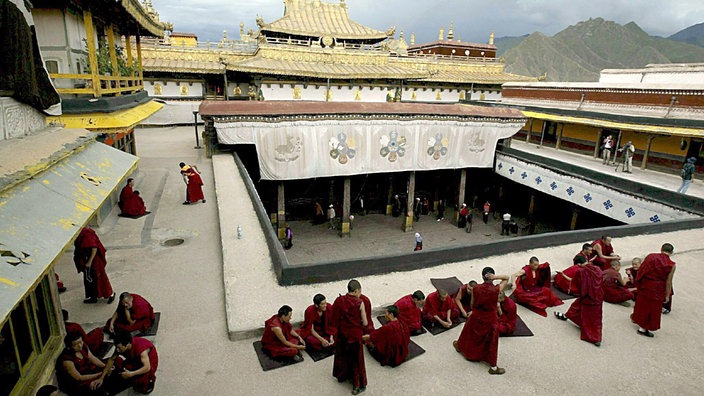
(473,20)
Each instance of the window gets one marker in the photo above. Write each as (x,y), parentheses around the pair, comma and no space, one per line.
(52,66)
(9,369)
(44,311)
(23,336)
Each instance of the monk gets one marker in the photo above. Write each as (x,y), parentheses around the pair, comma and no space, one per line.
(632,272)
(507,315)
(615,289)
(369,327)
(78,371)
(133,313)
(409,311)
(131,204)
(350,318)
(479,340)
(137,367)
(604,252)
(586,310)
(93,339)
(317,330)
(533,287)
(89,258)
(562,278)
(654,283)
(389,343)
(463,299)
(440,309)
(280,340)
(194,190)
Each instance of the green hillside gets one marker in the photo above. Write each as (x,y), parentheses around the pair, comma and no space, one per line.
(692,35)
(580,52)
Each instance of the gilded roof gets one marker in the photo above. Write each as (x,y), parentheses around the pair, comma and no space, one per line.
(476,75)
(182,65)
(318,19)
(153,27)
(324,70)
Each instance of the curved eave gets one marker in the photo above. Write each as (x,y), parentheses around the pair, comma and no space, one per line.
(339,36)
(155,28)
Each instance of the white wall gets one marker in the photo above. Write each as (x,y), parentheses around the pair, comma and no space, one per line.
(311,92)
(171,88)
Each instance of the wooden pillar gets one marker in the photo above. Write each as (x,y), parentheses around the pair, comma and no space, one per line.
(389,204)
(113,57)
(559,136)
(597,145)
(644,162)
(140,71)
(460,193)
(531,206)
(345,223)
(130,58)
(331,191)
(408,216)
(575,215)
(281,218)
(530,129)
(92,56)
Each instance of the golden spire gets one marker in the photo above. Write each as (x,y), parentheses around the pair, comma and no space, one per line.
(451,33)
(441,35)
(413,39)
(491,38)
(343,4)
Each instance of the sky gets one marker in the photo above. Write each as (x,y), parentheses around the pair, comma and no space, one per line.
(473,20)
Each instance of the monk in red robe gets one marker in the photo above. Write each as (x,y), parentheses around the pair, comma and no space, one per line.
(280,340)
(615,289)
(389,343)
(563,279)
(440,309)
(350,318)
(194,184)
(93,339)
(409,311)
(654,283)
(369,328)
(603,252)
(139,362)
(89,258)
(78,371)
(317,330)
(463,299)
(133,313)
(533,287)
(632,272)
(131,204)
(586,310)
(479,340)
(507,315)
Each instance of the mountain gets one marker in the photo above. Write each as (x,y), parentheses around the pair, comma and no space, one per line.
(692,35)
(504,44)
(581,51)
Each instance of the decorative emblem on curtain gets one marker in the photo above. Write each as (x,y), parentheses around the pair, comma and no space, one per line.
(437,146)
(289,151)
(476,142)
(342,148)
(392,146)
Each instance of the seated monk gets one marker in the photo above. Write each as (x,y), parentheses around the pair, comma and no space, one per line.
(562,278)
(463,299)
(317,330)
(131,204)
(133,313)
(440,309)
(603,253)
(137,364)
(632,272)
(369,328)
(280,340)
(389,343)
(507,315)
(615,289)
(409,311)
(78,371)
(94,339)
(533,287)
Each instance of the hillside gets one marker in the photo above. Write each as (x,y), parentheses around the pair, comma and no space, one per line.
(580,52)
(692,35)
(504,44)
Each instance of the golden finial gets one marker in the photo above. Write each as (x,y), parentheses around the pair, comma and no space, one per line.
(413,39)
(343,4)
(400,35)
(441,35)
(451,33)
(224,34)
(491,38)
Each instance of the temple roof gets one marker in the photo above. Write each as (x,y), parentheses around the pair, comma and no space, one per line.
(182,65)
(325,70)
(315,18)
(477,76)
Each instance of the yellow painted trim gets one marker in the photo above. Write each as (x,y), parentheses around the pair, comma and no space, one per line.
(118,119)
(7,281)
(678,131)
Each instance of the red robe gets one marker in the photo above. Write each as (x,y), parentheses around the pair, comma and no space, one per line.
(605,251)
(466,298)
(321,323)
(433,306)
(194,190)
(651,283)
(349,355)
(479,340)
(614,292)
(390,343)
(272,345)
(508,318)
(534,292)
(133,361)
(141,312)
(130,203)
(368,310)
(585,311)
(94,338)
(83,365)
(409,313)
(563,284)
(95,281)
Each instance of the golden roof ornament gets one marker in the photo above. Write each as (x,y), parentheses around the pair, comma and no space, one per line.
(343,4)
(491,38)
(441,35)
(451,33)
(413,39)
(391,31)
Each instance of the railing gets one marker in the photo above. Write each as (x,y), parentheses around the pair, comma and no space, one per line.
(83,84)
(230,45)
(455,58)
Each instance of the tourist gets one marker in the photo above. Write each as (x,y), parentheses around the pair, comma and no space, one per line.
(603,252)
(280,340)
(138,363)
(350,318)
(78,371)
(89,258)
(409,311)
(486,210)
(687,175)
(507,315)
(586,310)
(396,206)
(331,217)
(417,209)
(131,204)
(628,150)
(319,217)
(194,189)
(533,287)
(317,329)
(606,146)
(479,340)
(463,299)
(615,287)
(441,210)
(419,242)
(133,313)
(506,224)
(654,283)
(389,343)
(462,219)
(439,309)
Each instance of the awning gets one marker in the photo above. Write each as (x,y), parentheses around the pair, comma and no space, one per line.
(41,215)
(117,121)
(666,130)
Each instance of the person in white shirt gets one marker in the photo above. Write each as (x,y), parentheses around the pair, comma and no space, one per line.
(505,223)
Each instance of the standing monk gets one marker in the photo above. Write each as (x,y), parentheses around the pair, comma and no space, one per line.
(654,283)
(279,339)
(349,318)
(194,184)
(533,287)
(409,311)
(89,257)
(440,308)
(585,311)
(479,340)
(317,330)
(507,315)
(133,313)
(603,252)
(389,343)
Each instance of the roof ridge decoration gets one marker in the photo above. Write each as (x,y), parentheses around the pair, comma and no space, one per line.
(315,18)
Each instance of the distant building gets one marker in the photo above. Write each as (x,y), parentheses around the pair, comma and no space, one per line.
(177,39)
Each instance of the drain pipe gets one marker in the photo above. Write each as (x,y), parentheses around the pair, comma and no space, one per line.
(581,100)
(673,100)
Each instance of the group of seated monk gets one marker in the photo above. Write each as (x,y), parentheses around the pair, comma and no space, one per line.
(131,203)
(532,287)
